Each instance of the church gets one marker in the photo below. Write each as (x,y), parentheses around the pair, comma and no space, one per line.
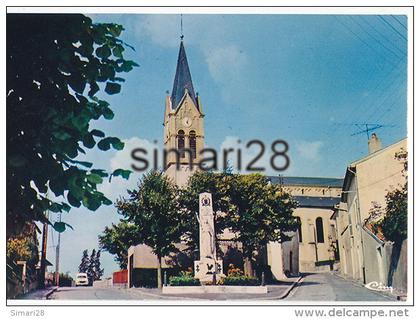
(313,246)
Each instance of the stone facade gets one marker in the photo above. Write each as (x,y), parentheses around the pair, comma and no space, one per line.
(365,256)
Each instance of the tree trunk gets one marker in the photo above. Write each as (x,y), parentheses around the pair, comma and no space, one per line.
(248,269)
(159,273)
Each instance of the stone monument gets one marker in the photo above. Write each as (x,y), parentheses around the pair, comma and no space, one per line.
(208,265)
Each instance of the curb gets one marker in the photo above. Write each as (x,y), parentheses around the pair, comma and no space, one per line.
(50,292)
(287,292)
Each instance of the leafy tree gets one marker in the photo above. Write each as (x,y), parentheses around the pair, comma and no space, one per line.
(84,264)
(254,210)
(65,280)
(262,212)
(56,66)
(24,246)
(154,209)
(117,239)
(394,222)
(99,272)
(91,273)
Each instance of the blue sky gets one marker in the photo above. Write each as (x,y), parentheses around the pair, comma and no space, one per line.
(306,79)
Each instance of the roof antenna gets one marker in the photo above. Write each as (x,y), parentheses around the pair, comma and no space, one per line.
(182,32)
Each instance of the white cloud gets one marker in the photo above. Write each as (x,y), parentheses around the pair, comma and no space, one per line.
(158,27)
(225,63)
(225,60)
(123,159)
(310,150)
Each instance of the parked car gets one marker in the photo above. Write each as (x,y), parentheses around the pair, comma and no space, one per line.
(82,279)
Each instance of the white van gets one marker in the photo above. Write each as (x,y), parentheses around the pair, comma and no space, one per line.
(82,279)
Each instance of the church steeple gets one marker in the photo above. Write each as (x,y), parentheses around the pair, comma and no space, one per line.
(183,135)
(182,81)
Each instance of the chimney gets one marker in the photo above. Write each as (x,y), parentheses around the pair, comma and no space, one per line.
(374,144)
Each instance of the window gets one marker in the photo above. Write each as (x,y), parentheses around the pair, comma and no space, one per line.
(193,144)
(319,230)
(181,143)
(299,229)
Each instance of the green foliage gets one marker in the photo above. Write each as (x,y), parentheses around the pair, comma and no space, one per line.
(184,279)
(56,66)
(256,211)
(394,223)
(65,280)
(391,223)
(117,239)
(236,277)
(98,271)
(153,208)
(240,281)
(261,212)
(23,247)
(84,264)
(94,270)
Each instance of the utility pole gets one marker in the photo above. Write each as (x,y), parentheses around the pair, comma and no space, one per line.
(43,253)
(57,260)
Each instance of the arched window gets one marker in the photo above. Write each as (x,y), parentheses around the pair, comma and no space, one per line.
(181,143)
(319,230)
(299,229)
(193,144)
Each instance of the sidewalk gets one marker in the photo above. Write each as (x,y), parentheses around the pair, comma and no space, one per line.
(39,294)
(276,291)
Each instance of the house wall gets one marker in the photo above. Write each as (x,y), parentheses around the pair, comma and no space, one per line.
(377,175)
(364,256)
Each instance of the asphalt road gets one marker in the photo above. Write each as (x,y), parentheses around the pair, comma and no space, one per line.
(329,287)
(313,287)
(93,293)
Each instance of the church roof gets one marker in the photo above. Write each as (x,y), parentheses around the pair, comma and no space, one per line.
(307,181)
(182,79)
(317,201)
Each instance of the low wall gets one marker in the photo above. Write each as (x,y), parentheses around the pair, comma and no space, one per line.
(172,290)
(385,262)
(104,283)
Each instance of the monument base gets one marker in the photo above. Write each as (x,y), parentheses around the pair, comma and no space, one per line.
(180,290)
(204,269)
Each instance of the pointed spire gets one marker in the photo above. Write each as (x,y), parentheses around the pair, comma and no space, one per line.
(182,79)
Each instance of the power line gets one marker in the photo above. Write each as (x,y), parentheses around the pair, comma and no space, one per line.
(388,92)
(363,41)
(391,26)
(383,36)
(374,38)
(397,98)
(383,80)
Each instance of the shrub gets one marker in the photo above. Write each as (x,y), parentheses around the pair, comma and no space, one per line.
(240,281)
(236,277)
(65,280)
(185,279)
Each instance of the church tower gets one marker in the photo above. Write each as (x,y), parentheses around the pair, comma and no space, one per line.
(183,135)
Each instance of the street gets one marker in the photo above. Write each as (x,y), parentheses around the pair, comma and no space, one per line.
(93,293)
(313,287)
(329,287)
